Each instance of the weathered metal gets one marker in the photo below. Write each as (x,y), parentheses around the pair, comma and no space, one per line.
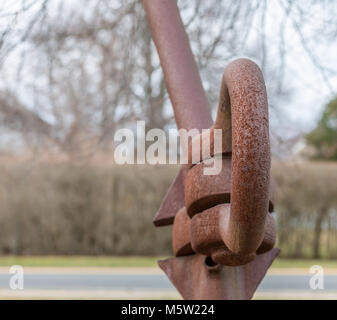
(223,236)
(181,236)
(250,156)
(207,233)
(198,193)
(173,201)
(183,84)
(181,74)
(196,278)
(202,234)
(232,233)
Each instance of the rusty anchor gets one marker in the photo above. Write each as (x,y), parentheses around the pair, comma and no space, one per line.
(223,235)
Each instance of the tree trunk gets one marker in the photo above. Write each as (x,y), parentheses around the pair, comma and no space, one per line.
(318,232)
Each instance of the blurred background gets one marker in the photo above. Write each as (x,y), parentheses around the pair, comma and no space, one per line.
(73,72)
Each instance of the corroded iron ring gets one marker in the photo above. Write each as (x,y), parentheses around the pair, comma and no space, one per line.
(205,191)
(243,100)
(206,239)
(207,230)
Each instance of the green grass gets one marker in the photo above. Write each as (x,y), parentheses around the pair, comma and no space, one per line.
(78,261)
(133,261)
(303,263)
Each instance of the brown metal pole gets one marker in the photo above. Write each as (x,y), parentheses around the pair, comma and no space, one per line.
(181,74)
(193,276)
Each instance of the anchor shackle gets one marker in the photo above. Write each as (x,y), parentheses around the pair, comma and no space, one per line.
(238,198)
(244,230)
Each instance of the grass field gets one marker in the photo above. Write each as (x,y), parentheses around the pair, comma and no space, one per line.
(79,261)
(131,261)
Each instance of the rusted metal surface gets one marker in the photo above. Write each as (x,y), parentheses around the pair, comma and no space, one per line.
(223,236)
(205,191)
(181,74)
(173,201)
(183,84)
(202,234)
(231,208)
(195,280)
(250,157)
(181,236)
(207,233)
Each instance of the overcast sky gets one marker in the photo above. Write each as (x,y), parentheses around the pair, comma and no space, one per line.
(310,92)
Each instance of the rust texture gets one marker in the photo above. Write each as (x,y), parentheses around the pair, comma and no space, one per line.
(198,194)
(181,74)
(195,280)
(250,157)
(181,237)
(229,210)
(223,235)
(183,84)
(207,235)
(173,201)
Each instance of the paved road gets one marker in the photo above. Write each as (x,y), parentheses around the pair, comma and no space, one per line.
(273,283)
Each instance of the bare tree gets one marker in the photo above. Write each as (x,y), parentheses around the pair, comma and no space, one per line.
(90,69)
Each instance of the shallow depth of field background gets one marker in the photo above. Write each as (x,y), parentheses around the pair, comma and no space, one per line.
(100,209)
(71,75)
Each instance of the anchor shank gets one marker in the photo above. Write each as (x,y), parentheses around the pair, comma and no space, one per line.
(181,74)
